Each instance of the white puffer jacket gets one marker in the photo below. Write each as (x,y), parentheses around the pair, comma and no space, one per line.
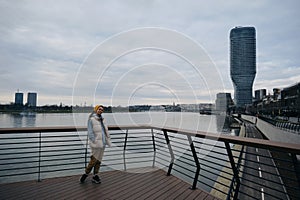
(95,132)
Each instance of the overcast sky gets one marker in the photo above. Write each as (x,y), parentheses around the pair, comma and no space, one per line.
(53,47)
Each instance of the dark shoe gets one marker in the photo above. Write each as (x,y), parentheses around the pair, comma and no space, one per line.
(96,179)
(83,177)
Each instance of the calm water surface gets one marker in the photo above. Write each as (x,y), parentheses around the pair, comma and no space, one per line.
(190,121)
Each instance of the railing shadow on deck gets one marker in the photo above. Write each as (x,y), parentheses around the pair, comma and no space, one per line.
(226,166)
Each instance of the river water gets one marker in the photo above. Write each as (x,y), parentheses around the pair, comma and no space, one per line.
(189,121)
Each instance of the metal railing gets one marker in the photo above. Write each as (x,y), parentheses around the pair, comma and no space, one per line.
(285,125)
(228,167)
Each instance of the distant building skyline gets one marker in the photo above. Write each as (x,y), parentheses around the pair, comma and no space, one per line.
(259,95)
(243,63)
(31,99)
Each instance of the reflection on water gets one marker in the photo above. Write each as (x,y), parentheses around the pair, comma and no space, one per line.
(24,120)
(189,121)
(18,120)
(13,120)
(223,123)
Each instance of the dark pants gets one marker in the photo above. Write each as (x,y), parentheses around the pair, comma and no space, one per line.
(94,163)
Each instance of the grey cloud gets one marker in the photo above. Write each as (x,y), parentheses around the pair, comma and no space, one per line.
(43,44)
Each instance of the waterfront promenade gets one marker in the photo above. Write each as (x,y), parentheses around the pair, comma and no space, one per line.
(260,163)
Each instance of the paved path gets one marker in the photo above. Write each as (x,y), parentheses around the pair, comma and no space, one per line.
(260,172)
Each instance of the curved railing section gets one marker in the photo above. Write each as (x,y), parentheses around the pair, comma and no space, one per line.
(229,167)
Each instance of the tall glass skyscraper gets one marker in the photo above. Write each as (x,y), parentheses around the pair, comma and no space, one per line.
(242,63)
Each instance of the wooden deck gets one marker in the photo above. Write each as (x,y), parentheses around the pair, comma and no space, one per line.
(115,185)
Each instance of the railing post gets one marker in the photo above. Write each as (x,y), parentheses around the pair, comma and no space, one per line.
(234,169)
(124,154)
(124,161)
(296,166)
(125,142)
(86,149)
(154,148)
(153,139)
(40,153)
(171,152)
(196,162)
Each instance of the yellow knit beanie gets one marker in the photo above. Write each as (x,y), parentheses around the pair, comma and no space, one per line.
(97,107)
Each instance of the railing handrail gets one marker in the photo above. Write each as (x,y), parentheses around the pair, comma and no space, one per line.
(253,142)
(42,129)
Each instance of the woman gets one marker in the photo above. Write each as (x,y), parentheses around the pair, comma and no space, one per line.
(98,138)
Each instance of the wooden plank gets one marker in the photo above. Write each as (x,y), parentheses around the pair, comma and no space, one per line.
(106,178)
(176,185)
(197,195)
(129,185)
(171,194)
(115,185)
(135,187)
(109,185)
(159,191)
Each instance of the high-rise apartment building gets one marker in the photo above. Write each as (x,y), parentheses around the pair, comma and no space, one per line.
(31,99)
(242,63)
(19,98)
